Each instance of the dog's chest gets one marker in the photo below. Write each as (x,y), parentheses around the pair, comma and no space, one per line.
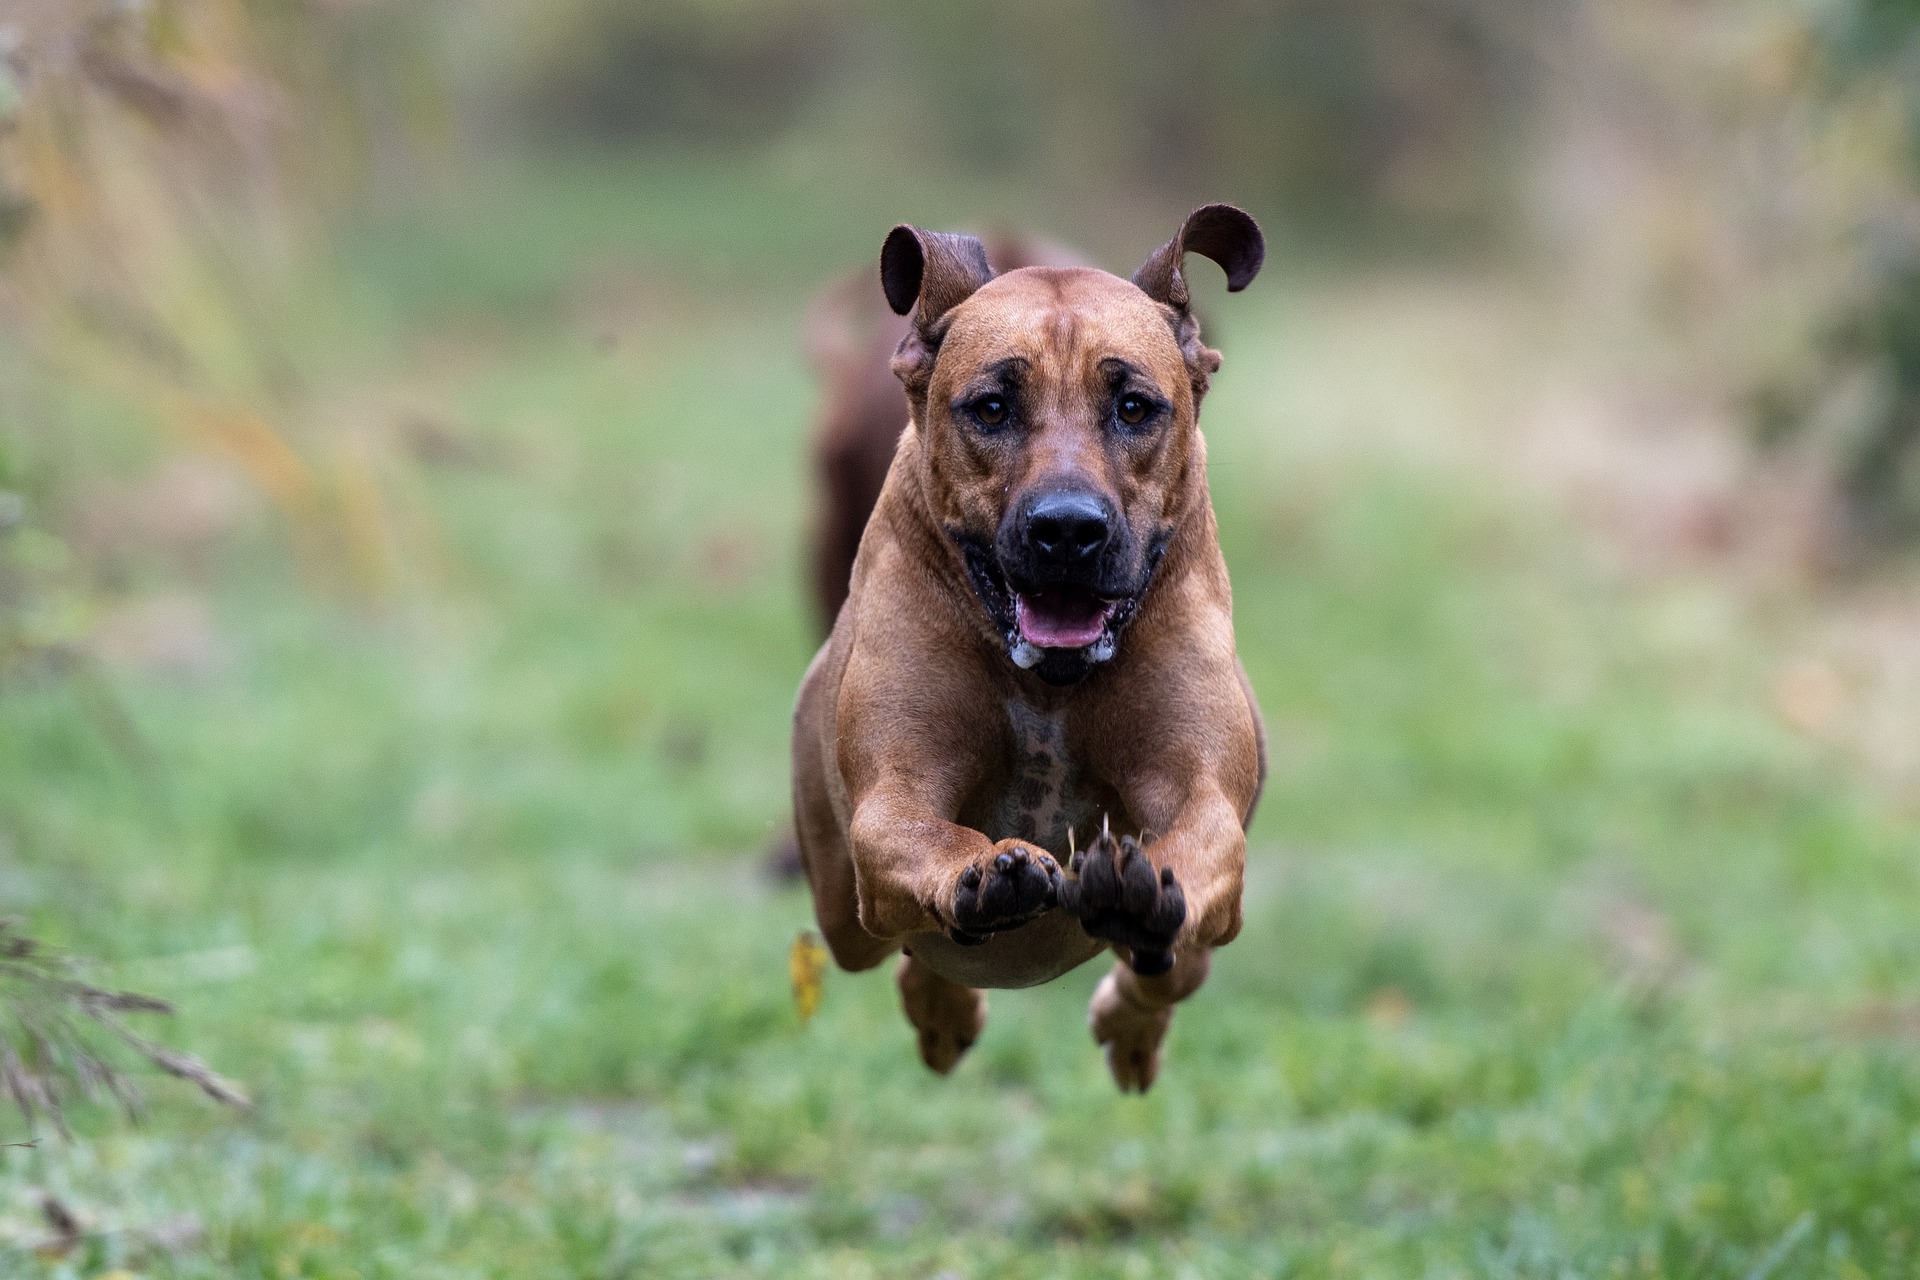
(1043,797)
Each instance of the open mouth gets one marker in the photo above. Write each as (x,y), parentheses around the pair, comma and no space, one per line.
(1062,617)
(1059,631)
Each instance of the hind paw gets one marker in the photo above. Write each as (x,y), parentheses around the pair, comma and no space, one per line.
(1131,1035)
(947,1017)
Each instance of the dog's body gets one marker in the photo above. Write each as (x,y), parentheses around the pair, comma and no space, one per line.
(1036,654)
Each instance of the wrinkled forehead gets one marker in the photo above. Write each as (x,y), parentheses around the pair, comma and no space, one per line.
(1065,321)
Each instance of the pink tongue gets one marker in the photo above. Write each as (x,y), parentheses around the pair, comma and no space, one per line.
(1061,619)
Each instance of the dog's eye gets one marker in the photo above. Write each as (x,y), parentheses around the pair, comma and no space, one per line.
(990,410)
(1134,409)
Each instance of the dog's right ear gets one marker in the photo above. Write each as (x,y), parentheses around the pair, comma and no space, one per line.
(927,273)
(935,269)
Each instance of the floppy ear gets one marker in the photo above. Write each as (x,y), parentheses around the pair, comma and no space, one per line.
(1218,231)
(928,273)
(938,270)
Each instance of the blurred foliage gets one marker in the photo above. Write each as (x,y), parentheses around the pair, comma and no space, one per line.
(1873,53)
(1740,182)
(1741,177)
(696,73)
(1320,109)
(167,173)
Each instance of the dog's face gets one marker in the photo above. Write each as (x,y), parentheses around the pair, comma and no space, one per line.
(1058,427)
(1057,410)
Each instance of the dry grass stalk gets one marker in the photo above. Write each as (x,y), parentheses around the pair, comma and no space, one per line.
(169,173)
(59,1037)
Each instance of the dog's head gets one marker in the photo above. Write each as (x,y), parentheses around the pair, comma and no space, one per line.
(1057,413)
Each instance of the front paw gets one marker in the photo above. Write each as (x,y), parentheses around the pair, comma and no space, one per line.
(1117,896)
(1014,885)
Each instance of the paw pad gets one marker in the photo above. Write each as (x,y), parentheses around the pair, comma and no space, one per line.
(1012,888)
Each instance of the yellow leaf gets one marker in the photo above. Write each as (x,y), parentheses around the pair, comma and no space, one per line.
(807,966)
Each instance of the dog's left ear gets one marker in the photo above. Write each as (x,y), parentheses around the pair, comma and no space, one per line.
(1231,238)
(927,273)
(1218,231)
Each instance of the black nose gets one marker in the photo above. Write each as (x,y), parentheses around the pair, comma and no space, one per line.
(1068,528)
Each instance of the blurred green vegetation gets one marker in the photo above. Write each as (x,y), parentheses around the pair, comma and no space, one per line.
(400,593)
(1315,110)
(1873,51)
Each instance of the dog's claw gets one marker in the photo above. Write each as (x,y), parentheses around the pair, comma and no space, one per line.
(1118,897)
(1016,886)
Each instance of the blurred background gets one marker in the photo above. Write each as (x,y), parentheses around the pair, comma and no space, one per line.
(404,485)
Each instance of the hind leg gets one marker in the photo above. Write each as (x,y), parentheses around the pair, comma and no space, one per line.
(824,856)
(1130,1015)
(947,1016)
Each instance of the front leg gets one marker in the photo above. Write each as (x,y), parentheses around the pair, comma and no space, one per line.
(1200,839)
(1165,907)
(1181,892)
(917,872)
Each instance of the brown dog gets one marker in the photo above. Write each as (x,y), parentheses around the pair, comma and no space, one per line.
(1036,654)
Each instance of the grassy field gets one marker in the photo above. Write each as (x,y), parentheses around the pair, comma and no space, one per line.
(1563,957)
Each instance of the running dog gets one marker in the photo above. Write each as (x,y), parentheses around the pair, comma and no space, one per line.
(1028,738)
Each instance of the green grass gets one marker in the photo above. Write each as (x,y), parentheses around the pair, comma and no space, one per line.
(1561,957)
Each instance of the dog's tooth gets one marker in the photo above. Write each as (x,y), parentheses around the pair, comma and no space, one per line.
(1026,655)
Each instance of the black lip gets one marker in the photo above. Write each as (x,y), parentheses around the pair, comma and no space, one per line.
(988,581)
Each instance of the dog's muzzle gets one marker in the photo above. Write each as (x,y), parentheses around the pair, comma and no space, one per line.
(1059,582)
(1057,542)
